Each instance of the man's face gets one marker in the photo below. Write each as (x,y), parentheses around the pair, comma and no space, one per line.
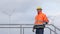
(39,10)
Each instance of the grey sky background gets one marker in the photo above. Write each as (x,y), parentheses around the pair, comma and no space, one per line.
(24,11)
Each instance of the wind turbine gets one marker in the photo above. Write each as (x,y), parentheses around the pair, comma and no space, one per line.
(9,13)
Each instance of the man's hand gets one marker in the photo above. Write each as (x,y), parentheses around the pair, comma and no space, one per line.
(33,30)
(46,22)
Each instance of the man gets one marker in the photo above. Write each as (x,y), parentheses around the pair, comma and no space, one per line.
(40,21)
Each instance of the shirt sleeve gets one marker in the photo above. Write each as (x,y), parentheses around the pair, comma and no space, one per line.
(35,19)
(45,19)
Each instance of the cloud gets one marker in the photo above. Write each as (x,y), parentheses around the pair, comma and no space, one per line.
(25,10)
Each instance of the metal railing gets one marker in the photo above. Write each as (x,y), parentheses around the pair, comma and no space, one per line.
(23,26)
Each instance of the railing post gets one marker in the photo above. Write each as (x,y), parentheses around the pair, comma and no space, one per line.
(55,30)
(50,32)
(23,30)
(20,29)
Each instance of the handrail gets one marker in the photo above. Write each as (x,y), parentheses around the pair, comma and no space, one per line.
(28,27)
(20,26)
(52,30)
(45,27)
(54,26)
(32,24)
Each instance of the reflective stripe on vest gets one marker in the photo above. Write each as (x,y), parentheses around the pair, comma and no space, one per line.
(39,21)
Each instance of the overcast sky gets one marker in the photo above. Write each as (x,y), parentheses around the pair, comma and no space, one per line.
(23,11)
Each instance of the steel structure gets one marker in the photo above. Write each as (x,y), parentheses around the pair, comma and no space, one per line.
(23,26)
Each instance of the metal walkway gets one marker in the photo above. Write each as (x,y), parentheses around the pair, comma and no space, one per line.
(23,26)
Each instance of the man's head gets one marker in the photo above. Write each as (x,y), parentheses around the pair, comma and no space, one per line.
(39,9)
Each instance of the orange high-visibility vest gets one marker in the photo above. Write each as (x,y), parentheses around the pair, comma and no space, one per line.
(41,19)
